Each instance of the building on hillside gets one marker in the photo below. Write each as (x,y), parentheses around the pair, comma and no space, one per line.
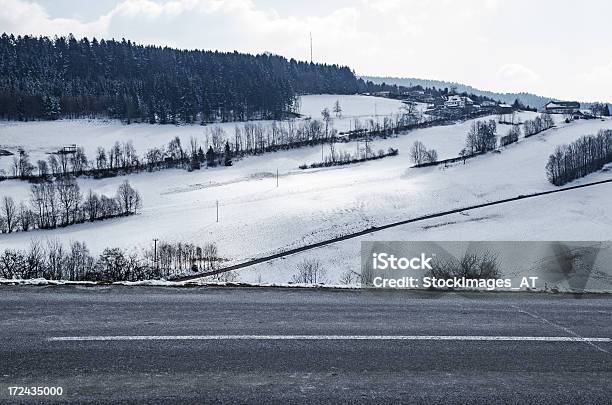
(458,102)
(562,107)
(67,150)
(584,114)
(419,96)
(504,109)
(380,94)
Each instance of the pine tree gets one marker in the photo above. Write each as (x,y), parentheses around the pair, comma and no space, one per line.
(227,155)
(201,156)
(42,78)
(211,157)
(337,109)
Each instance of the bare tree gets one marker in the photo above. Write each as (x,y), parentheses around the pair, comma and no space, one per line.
(130,156)
(310,271)
(9,211)
(101,160)
(431,156)
(26,217)
(54,165)
(327,119)
(511,137)
(128,198)
(418,152)
(217,137)
(69,195)
(78,161)
(43,168)
(193,147)
(64,162)
(92,206)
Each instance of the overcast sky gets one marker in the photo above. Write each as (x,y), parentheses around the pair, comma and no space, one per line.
(557,48)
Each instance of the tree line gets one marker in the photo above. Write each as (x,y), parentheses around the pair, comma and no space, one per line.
(481,138)
(53,261)
(61,203)
(216,148)
(43,78)
(482,135)
(219,148)
(345,158)
(586,155)
(538,124)
(511,137)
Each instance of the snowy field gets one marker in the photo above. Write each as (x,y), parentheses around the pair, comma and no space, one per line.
(257,218)
(40,138)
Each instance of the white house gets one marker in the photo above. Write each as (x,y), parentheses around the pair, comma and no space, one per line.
(458,102)
(562,107)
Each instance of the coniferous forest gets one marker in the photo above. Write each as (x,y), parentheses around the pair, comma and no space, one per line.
(65,77)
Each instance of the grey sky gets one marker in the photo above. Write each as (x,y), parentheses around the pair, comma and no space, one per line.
(558,48)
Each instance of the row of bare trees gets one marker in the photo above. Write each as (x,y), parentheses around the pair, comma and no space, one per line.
(586,155)
(59,164)
(512,136)
(178,257)
(61,203)
(538,124)
(217,147)
(54,261)
(345,158)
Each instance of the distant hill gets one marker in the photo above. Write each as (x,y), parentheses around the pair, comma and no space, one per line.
(525,98)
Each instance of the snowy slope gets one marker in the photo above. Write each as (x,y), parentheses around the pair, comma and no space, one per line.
(257,218)
(40,138)
(576,215)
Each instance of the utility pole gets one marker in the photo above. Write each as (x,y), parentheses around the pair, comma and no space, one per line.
(155,249)
(276,178)
(217,203)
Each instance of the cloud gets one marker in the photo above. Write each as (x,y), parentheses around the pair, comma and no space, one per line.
(599,78)
(517,73)
(602,73)
(21,17)
(364,29)
(439,39)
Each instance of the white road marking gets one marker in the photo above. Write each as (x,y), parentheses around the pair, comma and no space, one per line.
(556,325)
(334,337)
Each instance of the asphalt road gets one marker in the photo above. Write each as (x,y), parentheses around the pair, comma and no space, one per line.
(259,352)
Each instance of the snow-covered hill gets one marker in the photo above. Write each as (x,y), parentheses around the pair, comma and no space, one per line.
(257,218)
(41,137)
